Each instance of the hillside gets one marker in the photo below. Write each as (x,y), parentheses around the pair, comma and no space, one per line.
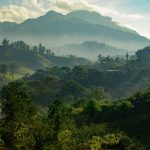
(96,18)
(97,105)
(56,29)
(90,50)
(36,57)
(18,59)
(109,77)
(93,121)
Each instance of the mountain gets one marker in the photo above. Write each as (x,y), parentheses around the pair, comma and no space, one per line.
(90,49)
(55,29)
(96,18)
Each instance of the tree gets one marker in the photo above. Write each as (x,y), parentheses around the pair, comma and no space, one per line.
(5,42)
(95,143)
(35,49)
(127,56)
(91,108)
(59,116)
(100,59)
(48,52)
(20,45)
(97,93)
(73,88)
(42,49)
(64,138)
(18,114)
(12,68)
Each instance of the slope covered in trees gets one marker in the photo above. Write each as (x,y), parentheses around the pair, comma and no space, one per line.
(35,57)
(113,74)
(108,77)
(18,59)
(89,124)
(85,107)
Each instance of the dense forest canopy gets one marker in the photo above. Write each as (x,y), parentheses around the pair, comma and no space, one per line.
(73,76)
(91,123)
(49,102)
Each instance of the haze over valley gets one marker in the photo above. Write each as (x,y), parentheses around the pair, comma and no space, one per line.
(74,75)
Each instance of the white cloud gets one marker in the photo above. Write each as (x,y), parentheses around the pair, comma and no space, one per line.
(15,13)
(133,16)
(25,9)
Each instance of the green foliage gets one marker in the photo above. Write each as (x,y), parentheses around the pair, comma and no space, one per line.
(117,141)
(59,117)
(100,125)
(86,117)
(64,139)
(73,88)
(18,115)
(91,109)
(95,143)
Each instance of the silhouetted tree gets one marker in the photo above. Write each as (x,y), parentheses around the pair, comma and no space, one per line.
(5,42)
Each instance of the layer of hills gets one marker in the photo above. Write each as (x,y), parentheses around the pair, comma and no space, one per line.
(87,116)
(28,59)
(55,29)
(113,73)
(90,50)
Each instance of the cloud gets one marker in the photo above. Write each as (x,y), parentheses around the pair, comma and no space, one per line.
(135,16)
(15,13)
(19,11)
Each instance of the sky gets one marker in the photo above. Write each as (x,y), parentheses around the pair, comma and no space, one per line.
(134,14)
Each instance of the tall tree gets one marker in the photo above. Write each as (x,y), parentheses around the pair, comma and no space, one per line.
(18,114)
(35,49)
(59,117)
(91,109)
(5,42)
(42,49)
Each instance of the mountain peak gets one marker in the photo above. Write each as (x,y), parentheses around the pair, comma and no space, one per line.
(53,13)
(87,14)
(50,16)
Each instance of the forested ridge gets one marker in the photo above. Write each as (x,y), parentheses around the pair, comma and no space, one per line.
(102,105)
(84,124)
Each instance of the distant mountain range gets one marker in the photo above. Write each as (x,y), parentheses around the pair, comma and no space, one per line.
(55,29)
(90,50)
